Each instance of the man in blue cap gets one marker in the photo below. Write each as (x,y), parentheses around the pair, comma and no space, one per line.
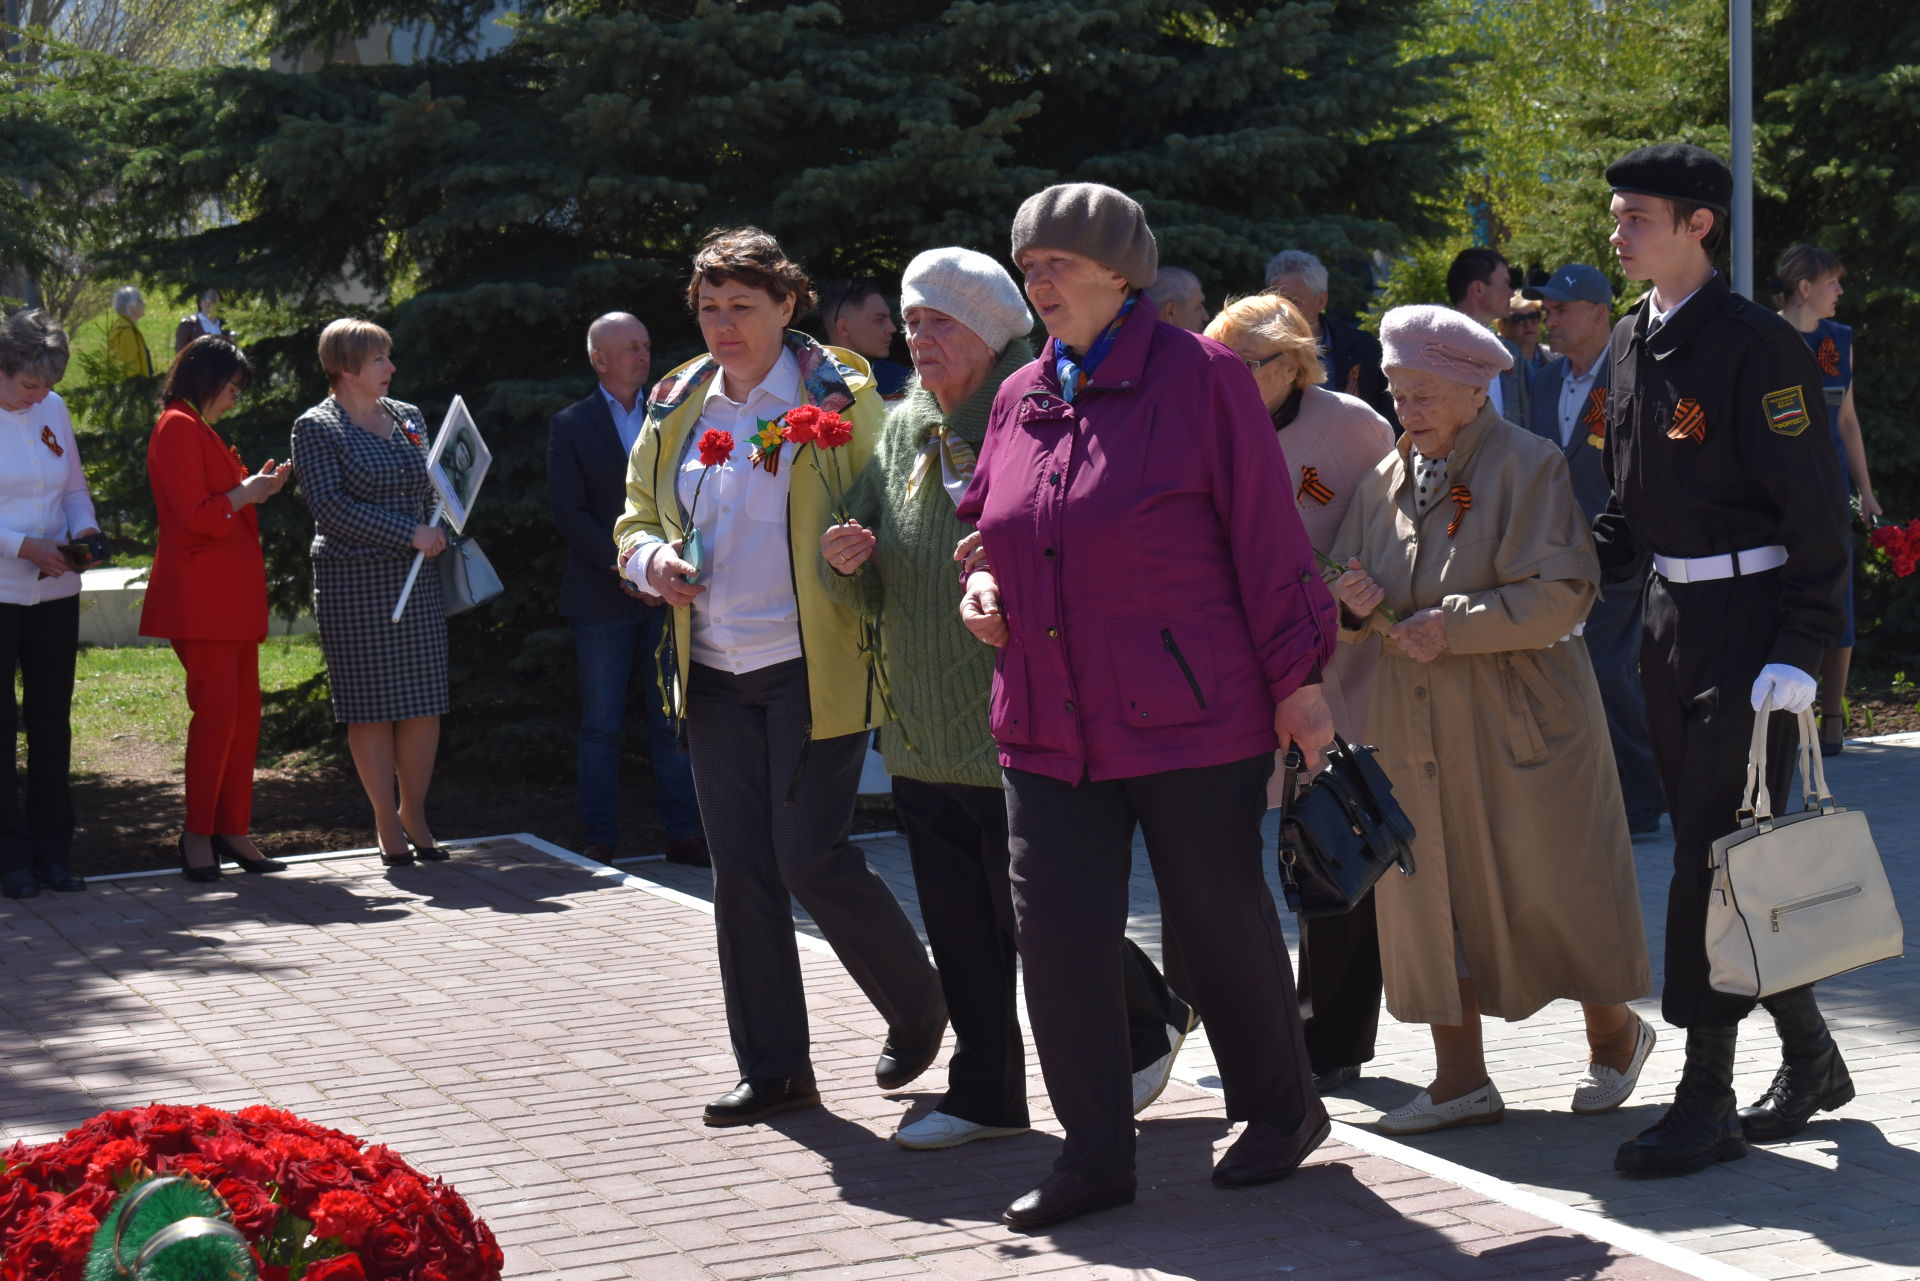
(1566,403)
(1716,476)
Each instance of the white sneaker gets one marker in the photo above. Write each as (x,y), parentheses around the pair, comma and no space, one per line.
(938,1130)
(1602,1089)
(1150,1080)
(1478,1107)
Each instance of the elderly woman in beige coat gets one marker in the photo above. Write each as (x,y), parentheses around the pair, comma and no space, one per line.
(1331,442)
(1491,727)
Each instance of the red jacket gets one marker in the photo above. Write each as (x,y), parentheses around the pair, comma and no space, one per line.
(1159,586)
(209,581)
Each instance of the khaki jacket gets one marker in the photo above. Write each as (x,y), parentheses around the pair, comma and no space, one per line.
(839,676)
(1497,749)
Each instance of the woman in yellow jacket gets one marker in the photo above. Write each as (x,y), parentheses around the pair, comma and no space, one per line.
(125,344)
(764,664)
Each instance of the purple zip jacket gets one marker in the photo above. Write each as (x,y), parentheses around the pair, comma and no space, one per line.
(1158,584)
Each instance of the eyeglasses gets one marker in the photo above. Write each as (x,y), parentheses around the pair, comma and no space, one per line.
(1523,318)
(1253,366)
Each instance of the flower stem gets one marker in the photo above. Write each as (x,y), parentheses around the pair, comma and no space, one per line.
(1329,563)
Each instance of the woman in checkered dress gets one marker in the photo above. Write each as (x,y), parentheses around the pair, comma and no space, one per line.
(361,462)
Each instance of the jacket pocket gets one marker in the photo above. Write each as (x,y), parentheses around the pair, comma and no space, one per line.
(1525,691)
(1163,673)
(1009,714)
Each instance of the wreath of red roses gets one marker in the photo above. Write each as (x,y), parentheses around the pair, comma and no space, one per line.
(314,1204)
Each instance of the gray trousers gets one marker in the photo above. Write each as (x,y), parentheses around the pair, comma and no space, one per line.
(1613,643)
(778,808)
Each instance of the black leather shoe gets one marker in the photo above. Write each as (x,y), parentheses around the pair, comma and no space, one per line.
(429,853)
(198,875)
(1333,1080)
(1701,1128)
(18,883)
(759,1097)
(228,850)
(1812,1076)
(1265,1152)
(58,876)
(903,1059)
(1066,1196)
(403,859)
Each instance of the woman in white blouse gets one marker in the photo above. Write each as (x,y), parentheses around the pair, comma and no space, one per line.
(764,664)
(44,505)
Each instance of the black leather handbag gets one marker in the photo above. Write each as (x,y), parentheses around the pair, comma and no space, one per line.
(1340,832)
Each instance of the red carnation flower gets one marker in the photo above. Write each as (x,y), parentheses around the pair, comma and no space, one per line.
(343,1214)
(238,1157)
(802,422)
(832,431)
(341,1267)
(113,1156)
(715,447)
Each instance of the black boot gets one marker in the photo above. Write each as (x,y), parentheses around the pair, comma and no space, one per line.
(1812,1078)
(1701,1128)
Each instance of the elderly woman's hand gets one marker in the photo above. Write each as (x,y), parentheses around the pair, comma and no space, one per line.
(1422,637)
(970,553)
(1303,719)
(846,547)
(980,610)
(665,576)
(426,538)
(1356,591)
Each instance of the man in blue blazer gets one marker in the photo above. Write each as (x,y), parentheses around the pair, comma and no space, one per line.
(616,629)
(1567,404)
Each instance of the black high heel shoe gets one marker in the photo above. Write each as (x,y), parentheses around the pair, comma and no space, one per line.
(403,859)
(198,875)
(428,853)
(227,849)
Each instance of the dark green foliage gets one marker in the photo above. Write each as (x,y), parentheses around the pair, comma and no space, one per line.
(1840,166)
(497,205)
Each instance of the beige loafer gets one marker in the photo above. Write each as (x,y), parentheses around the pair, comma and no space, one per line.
(1422,1115)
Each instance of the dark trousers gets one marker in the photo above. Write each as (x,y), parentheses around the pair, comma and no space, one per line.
(778,808)
(39,642)
(1613,634)
(610,653)
(1705,645)
(1072,852)
(223,738)
(1340,986)
(957,837)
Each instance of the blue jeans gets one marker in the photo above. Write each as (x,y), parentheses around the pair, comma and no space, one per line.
(610,653)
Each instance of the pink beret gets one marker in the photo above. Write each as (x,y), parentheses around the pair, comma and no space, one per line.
(1442,341)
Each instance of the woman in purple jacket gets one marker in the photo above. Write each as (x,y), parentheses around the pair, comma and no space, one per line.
(1161,629)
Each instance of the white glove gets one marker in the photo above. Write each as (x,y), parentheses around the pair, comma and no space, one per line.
(1787,688)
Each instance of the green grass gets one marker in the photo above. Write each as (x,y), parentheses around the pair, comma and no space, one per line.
(138,695)
(90,338)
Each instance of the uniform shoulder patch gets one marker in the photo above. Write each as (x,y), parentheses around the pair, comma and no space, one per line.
(1786,410)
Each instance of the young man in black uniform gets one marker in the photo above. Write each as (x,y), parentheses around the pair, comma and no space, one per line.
(1720,471)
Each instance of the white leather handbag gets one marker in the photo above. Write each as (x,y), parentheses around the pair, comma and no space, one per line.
(1799,897)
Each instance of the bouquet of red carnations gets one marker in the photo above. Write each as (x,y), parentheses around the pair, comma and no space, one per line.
(1901,543)
(314,1204)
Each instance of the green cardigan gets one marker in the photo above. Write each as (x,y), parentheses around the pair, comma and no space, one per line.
(940,676)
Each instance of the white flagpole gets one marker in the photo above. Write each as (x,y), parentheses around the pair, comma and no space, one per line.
(419,558)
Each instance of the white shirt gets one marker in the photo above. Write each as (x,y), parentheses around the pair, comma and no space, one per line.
(748,618)
(43,494)
(1496,397)
(1662,317)
(1573,396)
(627,422)
(208,325)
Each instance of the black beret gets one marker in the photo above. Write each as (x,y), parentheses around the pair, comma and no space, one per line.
(1675,171)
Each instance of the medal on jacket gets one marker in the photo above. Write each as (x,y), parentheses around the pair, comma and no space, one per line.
(1311,486)
(1462,503)
(52,442)
(1689,421)
(1595,418)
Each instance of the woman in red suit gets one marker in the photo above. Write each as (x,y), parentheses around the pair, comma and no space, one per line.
(207,594)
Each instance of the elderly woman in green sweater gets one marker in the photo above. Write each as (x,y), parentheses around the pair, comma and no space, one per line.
(965,324)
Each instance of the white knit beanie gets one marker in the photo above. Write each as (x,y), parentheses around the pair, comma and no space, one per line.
(973,289)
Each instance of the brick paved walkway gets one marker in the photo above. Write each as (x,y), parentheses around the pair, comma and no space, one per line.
(543,1035)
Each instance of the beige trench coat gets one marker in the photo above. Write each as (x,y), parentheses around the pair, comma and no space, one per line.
(1497,749)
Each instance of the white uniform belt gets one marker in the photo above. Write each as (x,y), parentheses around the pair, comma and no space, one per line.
(1704,569)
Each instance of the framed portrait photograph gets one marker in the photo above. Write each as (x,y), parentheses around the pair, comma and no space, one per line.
(457,464)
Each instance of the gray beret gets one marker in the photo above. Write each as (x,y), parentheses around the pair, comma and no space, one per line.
(973,289)
(1094,221)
